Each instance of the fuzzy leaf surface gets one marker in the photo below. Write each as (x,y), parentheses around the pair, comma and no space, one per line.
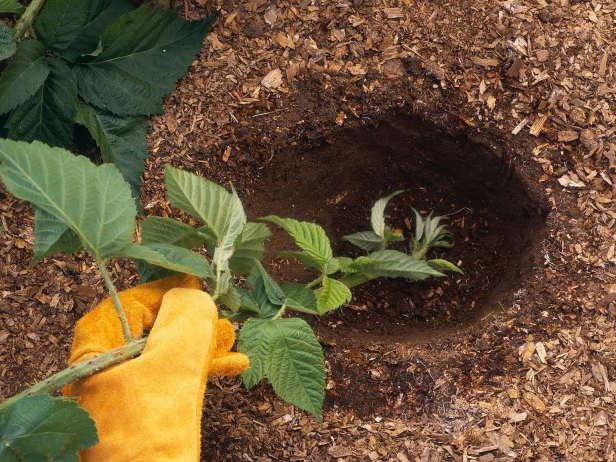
(41,428)
(121,141)
(48,115)
(144,53)
(52,236)
(23,76)
(94,201)
(332,295)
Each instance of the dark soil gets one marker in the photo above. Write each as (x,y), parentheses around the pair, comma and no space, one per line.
(495,219)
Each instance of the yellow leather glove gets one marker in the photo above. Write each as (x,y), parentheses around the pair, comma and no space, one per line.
(148,409)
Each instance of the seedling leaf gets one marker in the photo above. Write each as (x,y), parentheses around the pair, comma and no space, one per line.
(377,217)
(93,201)
(23,76)
(444,265)
(37,428)
(365,240)
(332,295)
(171,257)
(393,264)
(309,237)
(144,53)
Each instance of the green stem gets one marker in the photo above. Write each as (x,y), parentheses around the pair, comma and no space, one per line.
(314,283)
(80,370)
(25,21)
(116,300)
(302,310)
(281,311)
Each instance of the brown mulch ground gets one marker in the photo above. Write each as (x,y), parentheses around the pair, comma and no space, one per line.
(535,81)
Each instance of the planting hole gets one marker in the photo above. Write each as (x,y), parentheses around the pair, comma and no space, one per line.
(494,217)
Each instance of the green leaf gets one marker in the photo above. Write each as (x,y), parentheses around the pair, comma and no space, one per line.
(144,53)
(274,293)
(52,236)
(344,263)
(60,22)
(48,115)
(309,237)
(444,265)
(267,308)
(8,47)
(231,299)
(220,210)
(295,365)
(287,352)
(365,240)
(100,14)
(377,218)
(170,257)
(393,264)
(10,7)
(41,428)
(299,296)
(332,295)
(393,235)
(23,76)
(93,201)
(121,141)
(161,230)
(249,246)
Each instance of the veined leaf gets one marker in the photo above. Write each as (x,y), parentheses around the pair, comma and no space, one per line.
(100,14)
(266,307)
(298,296)
(295,365)
(377,218)
(444,265)
(287,352)
(52,236)
(23,76)
(309,237)
(332,295)
(94,201)
(121,141)
(161,230)
(248,247)
(365,240)
(39,428)
(8,47)
(10,7)
(48,115)
(170,257)
(60,22)
(144,52)
(220,210)
(393,264)
(274,293)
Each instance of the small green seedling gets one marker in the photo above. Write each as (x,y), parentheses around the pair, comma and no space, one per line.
(83,207)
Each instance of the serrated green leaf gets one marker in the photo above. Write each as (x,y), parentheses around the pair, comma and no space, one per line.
(101,13)
(144,53)
(8,47)
(377,215)
(394,264)
(298,296)
(47,116)
(23,76)
(267,308)
(274,293)
(121,141)
(10,7)
(344,262)
(220,210)
(52,236)
(170,257)
(249,246)
(60,21)
(444,265)
(295,366)
(309,237)
(94,201)
(161,230)
(332,295)
(365,240)
(41,428)
(254,341)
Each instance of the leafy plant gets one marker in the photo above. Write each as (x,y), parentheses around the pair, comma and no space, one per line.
(102,64)
(81,206)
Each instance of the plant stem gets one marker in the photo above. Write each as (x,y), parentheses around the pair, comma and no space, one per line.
(116,300)
(24,23)
(302,310)
(80,371)
(314,283)
(281,311)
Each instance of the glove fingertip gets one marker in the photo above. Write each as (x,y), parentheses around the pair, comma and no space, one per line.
(229,365)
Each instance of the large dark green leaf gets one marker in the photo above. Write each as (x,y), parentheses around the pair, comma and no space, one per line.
(144,53)
(121,141)
(94,201)
(23,76)
(8,47)
(42,428)
(10,7)
(60,22)
(52,236)
(48,115)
